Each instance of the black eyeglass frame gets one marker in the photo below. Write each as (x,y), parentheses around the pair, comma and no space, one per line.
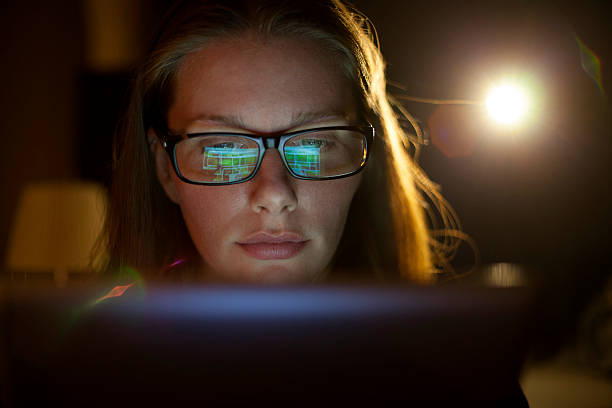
(169,142)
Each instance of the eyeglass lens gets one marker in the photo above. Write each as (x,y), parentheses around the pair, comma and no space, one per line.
(230,158)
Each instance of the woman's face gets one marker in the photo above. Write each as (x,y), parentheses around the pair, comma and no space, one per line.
(273,228)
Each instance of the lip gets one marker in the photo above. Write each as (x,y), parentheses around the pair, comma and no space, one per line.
(265,246)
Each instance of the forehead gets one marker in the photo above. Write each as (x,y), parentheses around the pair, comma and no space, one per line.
(266,84)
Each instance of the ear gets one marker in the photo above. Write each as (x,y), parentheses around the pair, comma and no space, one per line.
(163,166)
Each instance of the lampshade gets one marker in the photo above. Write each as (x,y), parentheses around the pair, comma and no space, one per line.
(55,228)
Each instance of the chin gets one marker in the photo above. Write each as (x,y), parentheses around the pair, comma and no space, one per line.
(275,274)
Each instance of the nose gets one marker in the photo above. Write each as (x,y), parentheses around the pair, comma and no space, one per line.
(273,190)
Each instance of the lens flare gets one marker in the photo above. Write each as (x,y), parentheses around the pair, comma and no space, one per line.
(507,104)
(591,64)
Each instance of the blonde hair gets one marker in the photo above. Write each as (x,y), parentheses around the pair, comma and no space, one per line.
(145,229)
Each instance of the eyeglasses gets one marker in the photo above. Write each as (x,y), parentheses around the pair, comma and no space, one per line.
(219,158)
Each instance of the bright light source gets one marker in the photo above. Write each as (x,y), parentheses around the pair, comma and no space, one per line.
(507,104)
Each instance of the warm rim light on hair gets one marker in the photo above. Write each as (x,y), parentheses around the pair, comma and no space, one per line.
(507,103)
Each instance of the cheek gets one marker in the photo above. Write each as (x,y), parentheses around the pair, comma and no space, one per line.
(208,211)
(328,202)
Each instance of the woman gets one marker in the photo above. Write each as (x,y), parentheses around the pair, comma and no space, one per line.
(242,150)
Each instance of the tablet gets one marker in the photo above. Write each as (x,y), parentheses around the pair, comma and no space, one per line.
(233,345)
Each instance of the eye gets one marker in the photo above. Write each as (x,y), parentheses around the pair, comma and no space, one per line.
(226,145)
(314,142)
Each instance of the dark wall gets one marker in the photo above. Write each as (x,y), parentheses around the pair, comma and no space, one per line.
(41,59)
(59,110)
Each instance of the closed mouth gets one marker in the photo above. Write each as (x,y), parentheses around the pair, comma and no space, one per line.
(266,246)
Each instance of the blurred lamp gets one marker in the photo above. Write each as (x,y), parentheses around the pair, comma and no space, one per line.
(55,228)
(507,103)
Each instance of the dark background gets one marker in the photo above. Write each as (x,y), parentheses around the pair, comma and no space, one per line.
(538,196)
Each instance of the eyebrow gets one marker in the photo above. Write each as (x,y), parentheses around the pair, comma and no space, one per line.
(298,119)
